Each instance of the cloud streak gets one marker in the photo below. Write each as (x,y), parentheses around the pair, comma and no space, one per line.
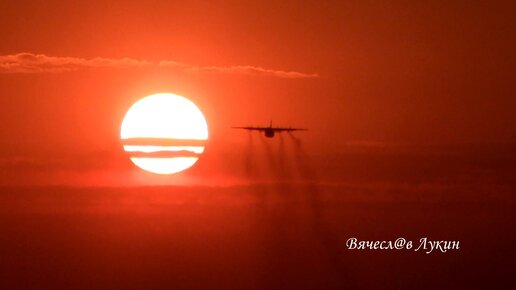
(30,63)
(252,70)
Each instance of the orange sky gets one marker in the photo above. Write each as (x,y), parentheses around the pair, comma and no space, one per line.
(372,74)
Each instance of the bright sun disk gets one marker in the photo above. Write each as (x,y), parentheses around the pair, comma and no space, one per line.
(170,119)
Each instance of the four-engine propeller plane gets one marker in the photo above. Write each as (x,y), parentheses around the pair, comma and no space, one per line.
(270,131)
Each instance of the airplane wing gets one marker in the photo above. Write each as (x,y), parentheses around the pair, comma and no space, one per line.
(275,129)
(252,128)
(279,129)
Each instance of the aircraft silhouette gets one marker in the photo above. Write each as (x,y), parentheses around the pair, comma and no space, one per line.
(270,131)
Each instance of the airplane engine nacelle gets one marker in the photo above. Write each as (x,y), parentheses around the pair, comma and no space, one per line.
(269,133)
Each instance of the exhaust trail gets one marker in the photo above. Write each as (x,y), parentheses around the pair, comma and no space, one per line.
(283,166)
(277,167)
(272,167)
(248,161)
(303,161)
(253,172)
(310,188)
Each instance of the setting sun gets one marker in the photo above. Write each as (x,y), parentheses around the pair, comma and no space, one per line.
(164,133)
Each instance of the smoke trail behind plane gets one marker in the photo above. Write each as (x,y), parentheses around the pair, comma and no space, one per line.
(248,159)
